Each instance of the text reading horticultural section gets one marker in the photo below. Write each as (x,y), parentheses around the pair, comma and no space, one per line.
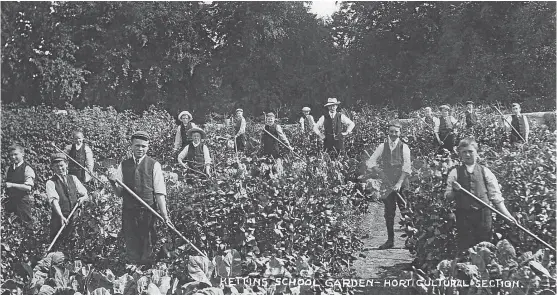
(298,225)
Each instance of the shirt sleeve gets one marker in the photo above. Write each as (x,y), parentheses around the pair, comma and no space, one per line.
(454,120)
(436,124)
(450,179)
(372,161)
(493,190)
(526,128)
(311,120)
(282,136)
(67,149)
(346,121)
(29,176)
(51,193)
(79,186)
(89,157)
(183,154)
(158,180)
(178,138)
(302,123)
(206,155)
(407,166)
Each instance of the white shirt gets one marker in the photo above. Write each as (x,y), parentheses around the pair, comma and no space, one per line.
(406,163)
(184,153)
(303,121)
(493,190)
(178,137)
(343,119)
(52,194)
(242,129)
(438,122)
(158,177)
(28,174)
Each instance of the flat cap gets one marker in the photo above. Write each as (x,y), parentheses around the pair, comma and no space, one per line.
(395,123)
(57,157)
(469,102)
(239,110)
(306,109)
(141,135)
(444,107)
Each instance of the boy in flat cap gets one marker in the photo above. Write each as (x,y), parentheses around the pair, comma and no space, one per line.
(181,139)
(63,191)
(20,179)
(83,154)
(445,130)
(144,176)
(196,153)
(520,128)
(332,125)
(306,121)
(270,145)
(240,131)
(396,167)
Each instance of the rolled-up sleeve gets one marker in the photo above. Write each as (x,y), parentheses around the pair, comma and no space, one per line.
(81,190)
(372,161)
(436,124)
(183,154)
(206,155)
(407,165)
(282,136)
(302,123)
(51,193)
(242,126)
(493,190)
(450,179)
(158,180)
(319,124)
(178,138)
(29,176)
(346,121)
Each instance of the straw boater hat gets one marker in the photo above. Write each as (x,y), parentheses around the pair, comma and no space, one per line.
(332,101)
(141,135)
(185,113)
(57,157)
(196,129)
(444,107)
(306,109)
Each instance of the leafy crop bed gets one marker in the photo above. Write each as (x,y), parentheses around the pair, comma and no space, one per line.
(297,226)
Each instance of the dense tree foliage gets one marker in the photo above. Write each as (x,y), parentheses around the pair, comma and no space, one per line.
(276,55)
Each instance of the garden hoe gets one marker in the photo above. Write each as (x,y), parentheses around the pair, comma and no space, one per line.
(507,219)
(62,229)
(505,119)
(284,144)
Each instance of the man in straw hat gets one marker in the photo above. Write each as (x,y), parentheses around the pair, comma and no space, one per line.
(519,123)
(181,139)
(445,129)
(394,156)
(332,125)
(82,153)
(473,220)
(62,191)
(196,153)
(144,176)
(20,179)
(240,131)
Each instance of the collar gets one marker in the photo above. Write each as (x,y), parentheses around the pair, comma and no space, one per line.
(62,177)
(470,168)
(77,147)
(195,145)
(393,143)
(140,159)
(332,114)
(18,164)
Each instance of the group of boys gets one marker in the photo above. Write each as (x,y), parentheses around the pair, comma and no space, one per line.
(143,178)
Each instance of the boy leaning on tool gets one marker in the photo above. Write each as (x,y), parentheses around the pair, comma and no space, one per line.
(63,191)
(142,175)
(473,220)
(19,181)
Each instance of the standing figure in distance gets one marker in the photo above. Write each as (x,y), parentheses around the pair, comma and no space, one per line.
(143,175)
(306,126)
(240,131)
(196,154)
(445,130)
(396,168)
(519,123)
(62,190)
(20,179)
(83,154)
(181,140)
(473,220)
(332,125)
(270,147)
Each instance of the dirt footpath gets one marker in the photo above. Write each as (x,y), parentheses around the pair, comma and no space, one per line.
(380,264)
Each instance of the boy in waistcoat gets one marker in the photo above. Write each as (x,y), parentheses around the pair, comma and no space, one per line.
(306,121)
(196,153)
(63,191)
(445,130)
(20,179)
(394,156)
(181,139)
(470,115)
(429,122)
(270,147)
(333,139)
(473,220)
(519,123)
(144,176)
(83,154)
(240,131)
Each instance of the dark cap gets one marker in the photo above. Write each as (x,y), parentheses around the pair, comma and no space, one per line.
(469,102)
(141,135)
(57,157)
(395,123)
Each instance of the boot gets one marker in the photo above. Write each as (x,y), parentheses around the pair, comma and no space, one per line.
(390,222)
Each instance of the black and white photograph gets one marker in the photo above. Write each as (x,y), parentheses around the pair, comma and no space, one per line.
(278,147)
